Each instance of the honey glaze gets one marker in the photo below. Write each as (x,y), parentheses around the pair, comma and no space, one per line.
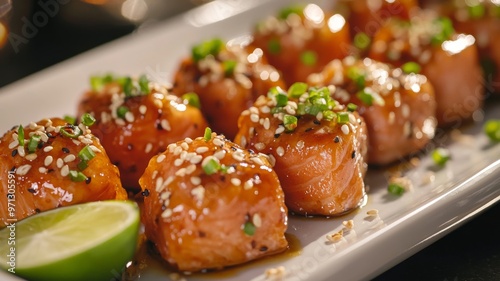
(146,257)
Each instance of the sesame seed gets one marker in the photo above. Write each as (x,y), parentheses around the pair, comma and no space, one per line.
(13,144)
(31,156)
(20,151)
(159,184)
(76,142)
(265,109)
(183,155)
(42,170)
(345,129)
(260,146)
(129,116)
(348,224)
(218,142)
(248,184)
(238,156)
(23,170)
(258,161)
(160,158)
(243,141)
(143,109)
(253,110)
(188,140)
(65,170)
(164,196)
(201,149)
(372,212)
(94,148)
(184,146)
(167,213)
(196,159)
(272,160)
(300,144)
(148,148)
(165,125)
(181,172)
(257,221)
(279,130)
(178,162)
(254,118)
(280,151)
(86,140)
(177,150)
(267,123)
(69,158)
(236,181)
(198,192)
(190,169)
(220,154)
(59,163)
(195,180)
(155,173)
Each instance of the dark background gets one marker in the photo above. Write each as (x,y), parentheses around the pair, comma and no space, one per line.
(471,252)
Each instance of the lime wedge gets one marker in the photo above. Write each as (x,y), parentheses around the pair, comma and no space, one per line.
(91,241)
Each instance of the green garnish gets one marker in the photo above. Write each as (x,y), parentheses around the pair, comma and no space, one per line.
(211,166)
(249,228)
(192,99)
(365,97)
(351,107)
(20,135)
(70,119)
(362,41)
(297,89)
(445,27)
(208,134)
(98,82)
(144,84)
(309,58)
(127,85)
(476,11)
(357,76)
(492,129)
(441,156)
(228,66)
(87,119)
(33,143)
(343,117)
(70,131)
(292,9)
(411,67)
(281,100)
(86,154)
(77,176)
(204,49)
(121,111)
(329,115)
(395,189)
(290,122)
(82,165)
(274,46)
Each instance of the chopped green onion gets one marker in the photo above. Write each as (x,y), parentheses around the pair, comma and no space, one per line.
(192,99)
(441,156)
(396,189)
(290,122)
(343,117)
(33,143)
(281,100)
(211,166)
(365,97)
(70,119)
(144,84)
(362,41)
(204,49)
(86,154)
(329,115)
(127,86)
(445,27)
(297,89)
(274,46)
(351,107)
(492,129)
(70,131)
(292,9)
(411,67)
(77,176)
(357,76)
(98,82)
(121,111)
(249,228)
(82,165)
(208,134)
(477,11)
(87,119)
(20,135)
(228,66)
(309,58)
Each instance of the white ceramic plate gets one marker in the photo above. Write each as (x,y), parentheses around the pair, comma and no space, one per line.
(467,185)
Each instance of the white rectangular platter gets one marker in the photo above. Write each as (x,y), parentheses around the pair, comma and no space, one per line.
(468,184)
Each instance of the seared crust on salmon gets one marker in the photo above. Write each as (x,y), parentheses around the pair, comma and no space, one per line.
(210,204)
(317,146)
(399,109)
(135,122)
(51,163)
